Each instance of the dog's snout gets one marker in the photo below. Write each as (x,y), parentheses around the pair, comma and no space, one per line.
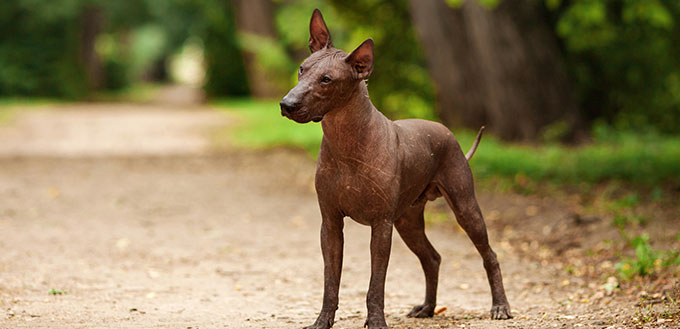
(288,106)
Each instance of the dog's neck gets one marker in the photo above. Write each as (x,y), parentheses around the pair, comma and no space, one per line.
(355,125)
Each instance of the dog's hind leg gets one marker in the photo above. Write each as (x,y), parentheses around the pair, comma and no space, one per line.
(411,228)
(456,184)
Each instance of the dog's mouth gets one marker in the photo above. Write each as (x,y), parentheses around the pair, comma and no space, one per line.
(301,116)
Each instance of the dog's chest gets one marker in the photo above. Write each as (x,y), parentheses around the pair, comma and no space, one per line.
(363,190)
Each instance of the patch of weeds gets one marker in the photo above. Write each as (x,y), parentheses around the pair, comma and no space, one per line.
(621,220)
(624,212)
(55,292)
(647,260)
(657,194)
(629,201)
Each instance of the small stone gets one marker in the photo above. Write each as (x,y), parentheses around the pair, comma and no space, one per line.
(531,211)
(122,244)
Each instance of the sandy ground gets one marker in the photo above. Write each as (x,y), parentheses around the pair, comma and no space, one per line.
(134,221)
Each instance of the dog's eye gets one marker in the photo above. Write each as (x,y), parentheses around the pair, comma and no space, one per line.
(326,79)
(300,70)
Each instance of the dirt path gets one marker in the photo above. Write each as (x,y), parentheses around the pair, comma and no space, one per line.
(126,211)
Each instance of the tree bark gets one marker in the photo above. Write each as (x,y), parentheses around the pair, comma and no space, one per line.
(91,20)
(257,17)
(499,67)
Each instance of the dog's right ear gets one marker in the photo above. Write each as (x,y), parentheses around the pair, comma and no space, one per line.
(319,37)
(361,60)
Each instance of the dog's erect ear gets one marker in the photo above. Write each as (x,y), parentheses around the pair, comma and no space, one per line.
(319,37)
(361,59)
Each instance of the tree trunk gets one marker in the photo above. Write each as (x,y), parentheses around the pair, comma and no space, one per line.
(257,17)
(499,67)
(91,20)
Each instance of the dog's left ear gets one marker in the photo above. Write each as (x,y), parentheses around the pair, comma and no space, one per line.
(319,36)
(361,59)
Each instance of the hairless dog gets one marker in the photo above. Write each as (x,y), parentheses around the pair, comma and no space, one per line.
(380,173)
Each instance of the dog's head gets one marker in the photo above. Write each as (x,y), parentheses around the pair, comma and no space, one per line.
(328,77)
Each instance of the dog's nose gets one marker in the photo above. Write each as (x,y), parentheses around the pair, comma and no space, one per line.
(289,107)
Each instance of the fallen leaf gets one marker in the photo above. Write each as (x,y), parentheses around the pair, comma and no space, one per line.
(53,192)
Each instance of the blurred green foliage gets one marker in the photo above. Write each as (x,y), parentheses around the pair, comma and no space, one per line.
(624,58)
(400,85)
(39,50)
(226,73)
(271,57)
(40,43)
(622,55)
(644,159)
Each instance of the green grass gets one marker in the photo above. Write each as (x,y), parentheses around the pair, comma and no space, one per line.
(262,126)
(647,160)
(613,156)
(55,292)
(6,114)
(647,260)
(9,106)
(24,101)
(136,93)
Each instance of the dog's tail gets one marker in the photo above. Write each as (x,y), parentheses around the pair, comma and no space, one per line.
(471,152)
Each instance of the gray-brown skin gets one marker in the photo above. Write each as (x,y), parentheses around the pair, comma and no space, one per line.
(380,173)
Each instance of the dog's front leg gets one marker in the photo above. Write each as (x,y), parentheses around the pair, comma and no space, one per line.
(381,243)
(331,248)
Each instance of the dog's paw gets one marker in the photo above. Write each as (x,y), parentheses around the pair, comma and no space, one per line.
(375,324)
(324,321)
(501,312)
(421,311)
(320,325)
